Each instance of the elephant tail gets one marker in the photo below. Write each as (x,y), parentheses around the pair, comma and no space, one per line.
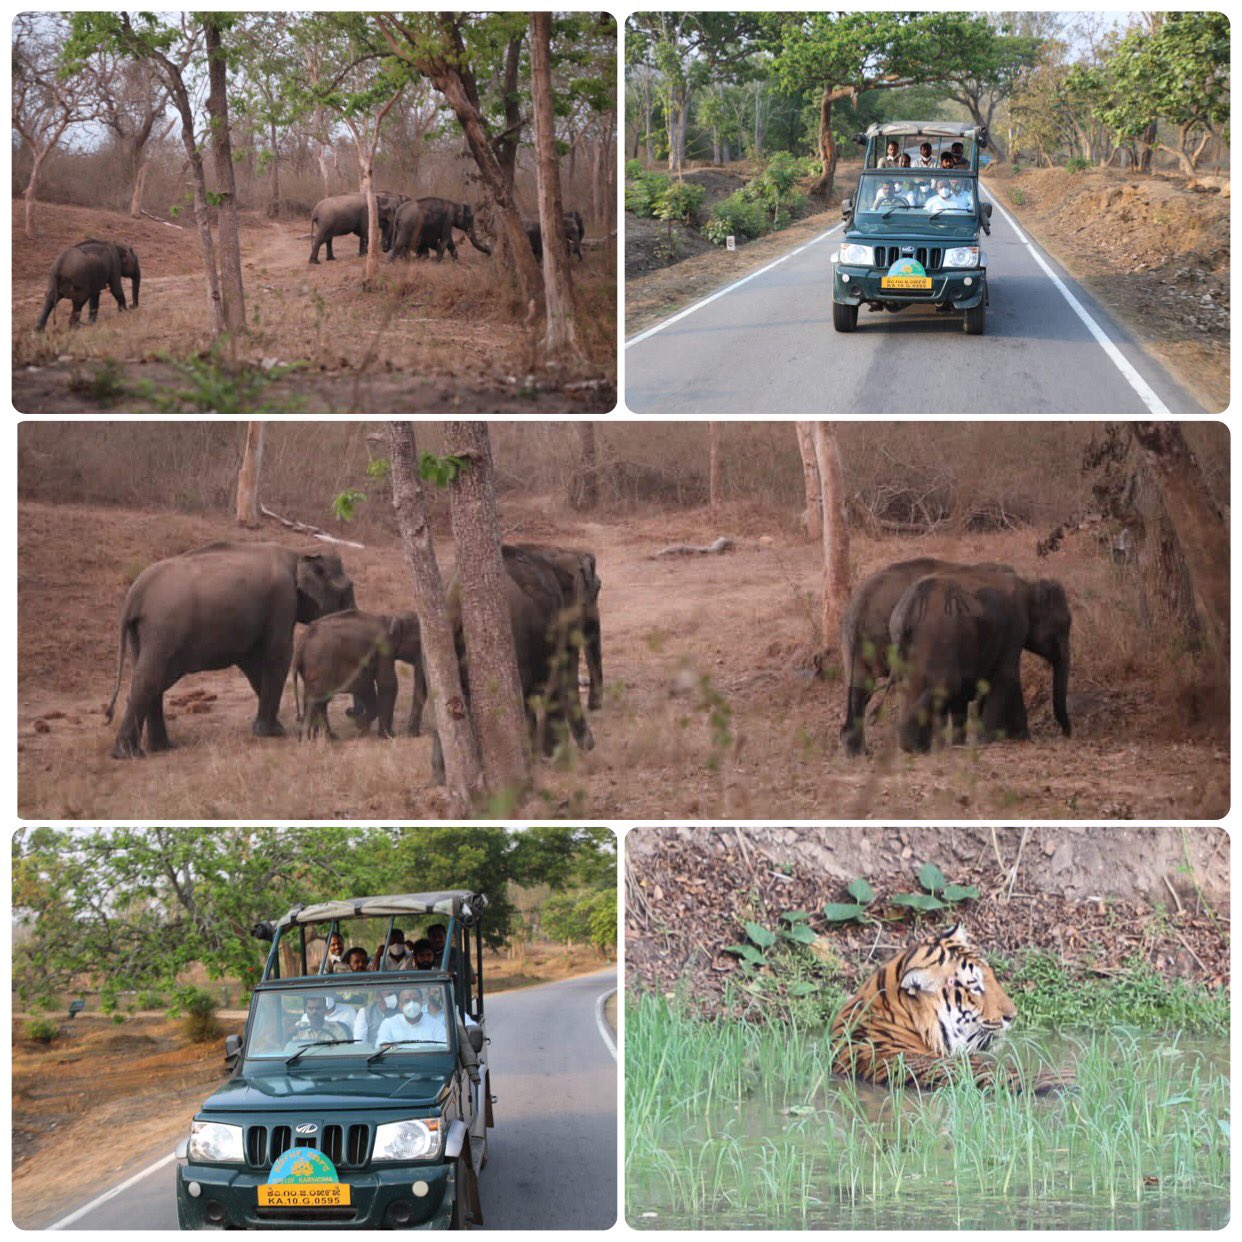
(126,622)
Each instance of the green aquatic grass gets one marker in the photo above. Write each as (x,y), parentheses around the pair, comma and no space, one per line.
(733,1123)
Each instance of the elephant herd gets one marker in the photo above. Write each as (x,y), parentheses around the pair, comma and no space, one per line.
(238,604)
(412,228)
(949,636)
(82,272)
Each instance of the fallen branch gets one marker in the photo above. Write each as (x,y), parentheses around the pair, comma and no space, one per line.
(723,544)
(158,220)
(307,529)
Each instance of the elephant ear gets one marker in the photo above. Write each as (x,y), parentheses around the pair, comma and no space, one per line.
(310,578)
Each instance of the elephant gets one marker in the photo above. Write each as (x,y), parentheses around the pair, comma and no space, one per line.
(428,225)
(352,652)
(959,638)
(576,569)
(82,272)
(865,636)
(575,231)
(538,611)
(347,213)
(220,605)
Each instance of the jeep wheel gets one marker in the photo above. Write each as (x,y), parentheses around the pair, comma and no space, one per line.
(972,321)
(844,316)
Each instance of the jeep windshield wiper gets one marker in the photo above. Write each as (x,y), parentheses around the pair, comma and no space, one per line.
(396,1043)
(323,1043)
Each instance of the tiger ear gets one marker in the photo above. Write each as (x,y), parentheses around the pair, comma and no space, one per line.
(957,936)
(919,980)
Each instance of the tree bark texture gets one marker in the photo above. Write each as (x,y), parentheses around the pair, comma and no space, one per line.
(836,535)
(584,492)
(463,772)
(810,481)
(249,474)
(713,465)
(222,149)
(496,704)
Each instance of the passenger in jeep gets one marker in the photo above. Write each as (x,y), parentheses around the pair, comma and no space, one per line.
(313,1026)
(892,157)
(925,159)
(959,156)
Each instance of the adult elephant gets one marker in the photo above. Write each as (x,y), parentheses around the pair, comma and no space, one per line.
(865,635)
(347,213)
(581,584)
(959,639)
(221,605)
(575,231)
(427,224)
(82,272)
(543,640)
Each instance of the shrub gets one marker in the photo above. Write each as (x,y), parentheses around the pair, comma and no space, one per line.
(680,201)
(775,183)
(199,1011)
(42,1030)
(1076,164)
(1017,197)
(735,215)
(644,192)
(633,170)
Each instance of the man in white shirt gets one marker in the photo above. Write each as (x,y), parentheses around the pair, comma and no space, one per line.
(413,1022)
(945,199)
(367,1020)
(924,158)
(893,157)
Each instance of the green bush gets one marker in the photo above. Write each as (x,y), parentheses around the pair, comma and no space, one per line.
(680,201)
(1076,164)
(1017,197)
(774,185)
(199,1010)
(644,192)
(42,1030)
(736,215)
(633,170)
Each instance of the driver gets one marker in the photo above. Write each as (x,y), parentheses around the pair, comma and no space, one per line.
(313,1026)
(413,1021)
(889,193)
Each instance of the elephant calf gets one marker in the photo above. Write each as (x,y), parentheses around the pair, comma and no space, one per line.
(959,639)
(575,231)
(353,652)
(426,225)
(81,274)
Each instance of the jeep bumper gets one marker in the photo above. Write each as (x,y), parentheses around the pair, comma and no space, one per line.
(382,1198)
(963,289)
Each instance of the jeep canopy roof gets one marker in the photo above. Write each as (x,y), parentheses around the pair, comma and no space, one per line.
(927,129)
(461,904)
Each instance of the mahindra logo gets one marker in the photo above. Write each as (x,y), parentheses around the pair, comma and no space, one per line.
(308,1127)
(907,250)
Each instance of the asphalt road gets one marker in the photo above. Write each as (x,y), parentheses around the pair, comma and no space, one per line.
(767,346)
(552,1156)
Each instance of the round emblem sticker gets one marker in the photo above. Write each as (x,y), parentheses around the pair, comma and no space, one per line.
(303,1165)
(907,267)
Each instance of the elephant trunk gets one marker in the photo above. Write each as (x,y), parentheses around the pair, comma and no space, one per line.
(1060,686)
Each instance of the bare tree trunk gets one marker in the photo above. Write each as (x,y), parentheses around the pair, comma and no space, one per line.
(31,193)
(810,480)
(273,204)
(558,290)
(248,475)
(836,535)
(462,769)
(713,465)
(1201,531)
(584,494)
(222,149)
(496,704)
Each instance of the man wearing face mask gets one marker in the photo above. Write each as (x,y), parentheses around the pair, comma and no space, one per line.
(395,958)
(341,1011)
(368,1021)
(414,1021)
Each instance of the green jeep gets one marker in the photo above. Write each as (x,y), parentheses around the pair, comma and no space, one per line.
(357,1100)
(912,227)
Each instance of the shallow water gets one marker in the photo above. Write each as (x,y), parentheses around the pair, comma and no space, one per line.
(794,1175)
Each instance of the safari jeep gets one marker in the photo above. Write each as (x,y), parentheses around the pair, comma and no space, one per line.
(913,224)
(356,1100)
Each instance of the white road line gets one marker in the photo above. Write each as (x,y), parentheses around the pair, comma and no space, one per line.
(602,1022)
(1145,393)
(66,1221)
(737,284)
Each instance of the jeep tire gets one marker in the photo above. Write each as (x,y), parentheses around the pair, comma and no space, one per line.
(972,320)
(844,316)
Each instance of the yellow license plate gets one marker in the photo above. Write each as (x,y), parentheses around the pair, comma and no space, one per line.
(312,1195)
(905,282)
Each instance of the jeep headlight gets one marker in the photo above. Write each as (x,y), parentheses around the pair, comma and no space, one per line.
(962,256)
(851,252)
(215,1143)
(407,1140)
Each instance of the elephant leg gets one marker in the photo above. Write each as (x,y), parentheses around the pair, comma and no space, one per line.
(316,242)
(452,249)
(328,243)
(1004,712)
(365,695)
(146,688)
(420,699)
(271,668)
(918,723)
(157,730)
(385,695)
(853,739)
(75,316)
(94,303)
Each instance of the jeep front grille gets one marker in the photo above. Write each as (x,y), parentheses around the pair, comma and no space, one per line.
(931,258)
(348,1147)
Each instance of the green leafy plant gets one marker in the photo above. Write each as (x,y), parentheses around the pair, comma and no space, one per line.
(680,201)
(42,1030)
(793,928)
(199,1009)
(737,216)
(939,895)
(1017,197)
(440,470)
(1076,164)
(855,911)
(345,504)
(379,468)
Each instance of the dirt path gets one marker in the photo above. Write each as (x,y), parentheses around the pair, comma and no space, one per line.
(711,711)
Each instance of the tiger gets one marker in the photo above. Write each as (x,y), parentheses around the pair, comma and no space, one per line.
(911,1021)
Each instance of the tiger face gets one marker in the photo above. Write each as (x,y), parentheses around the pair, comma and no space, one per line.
(956,1002)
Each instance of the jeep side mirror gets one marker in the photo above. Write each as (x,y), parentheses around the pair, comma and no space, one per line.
(232,1050)
(987,210)
(475,1035)
(985,217)
(847,208)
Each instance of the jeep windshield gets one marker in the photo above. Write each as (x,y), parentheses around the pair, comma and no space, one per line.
(350,1019)
(928,194)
